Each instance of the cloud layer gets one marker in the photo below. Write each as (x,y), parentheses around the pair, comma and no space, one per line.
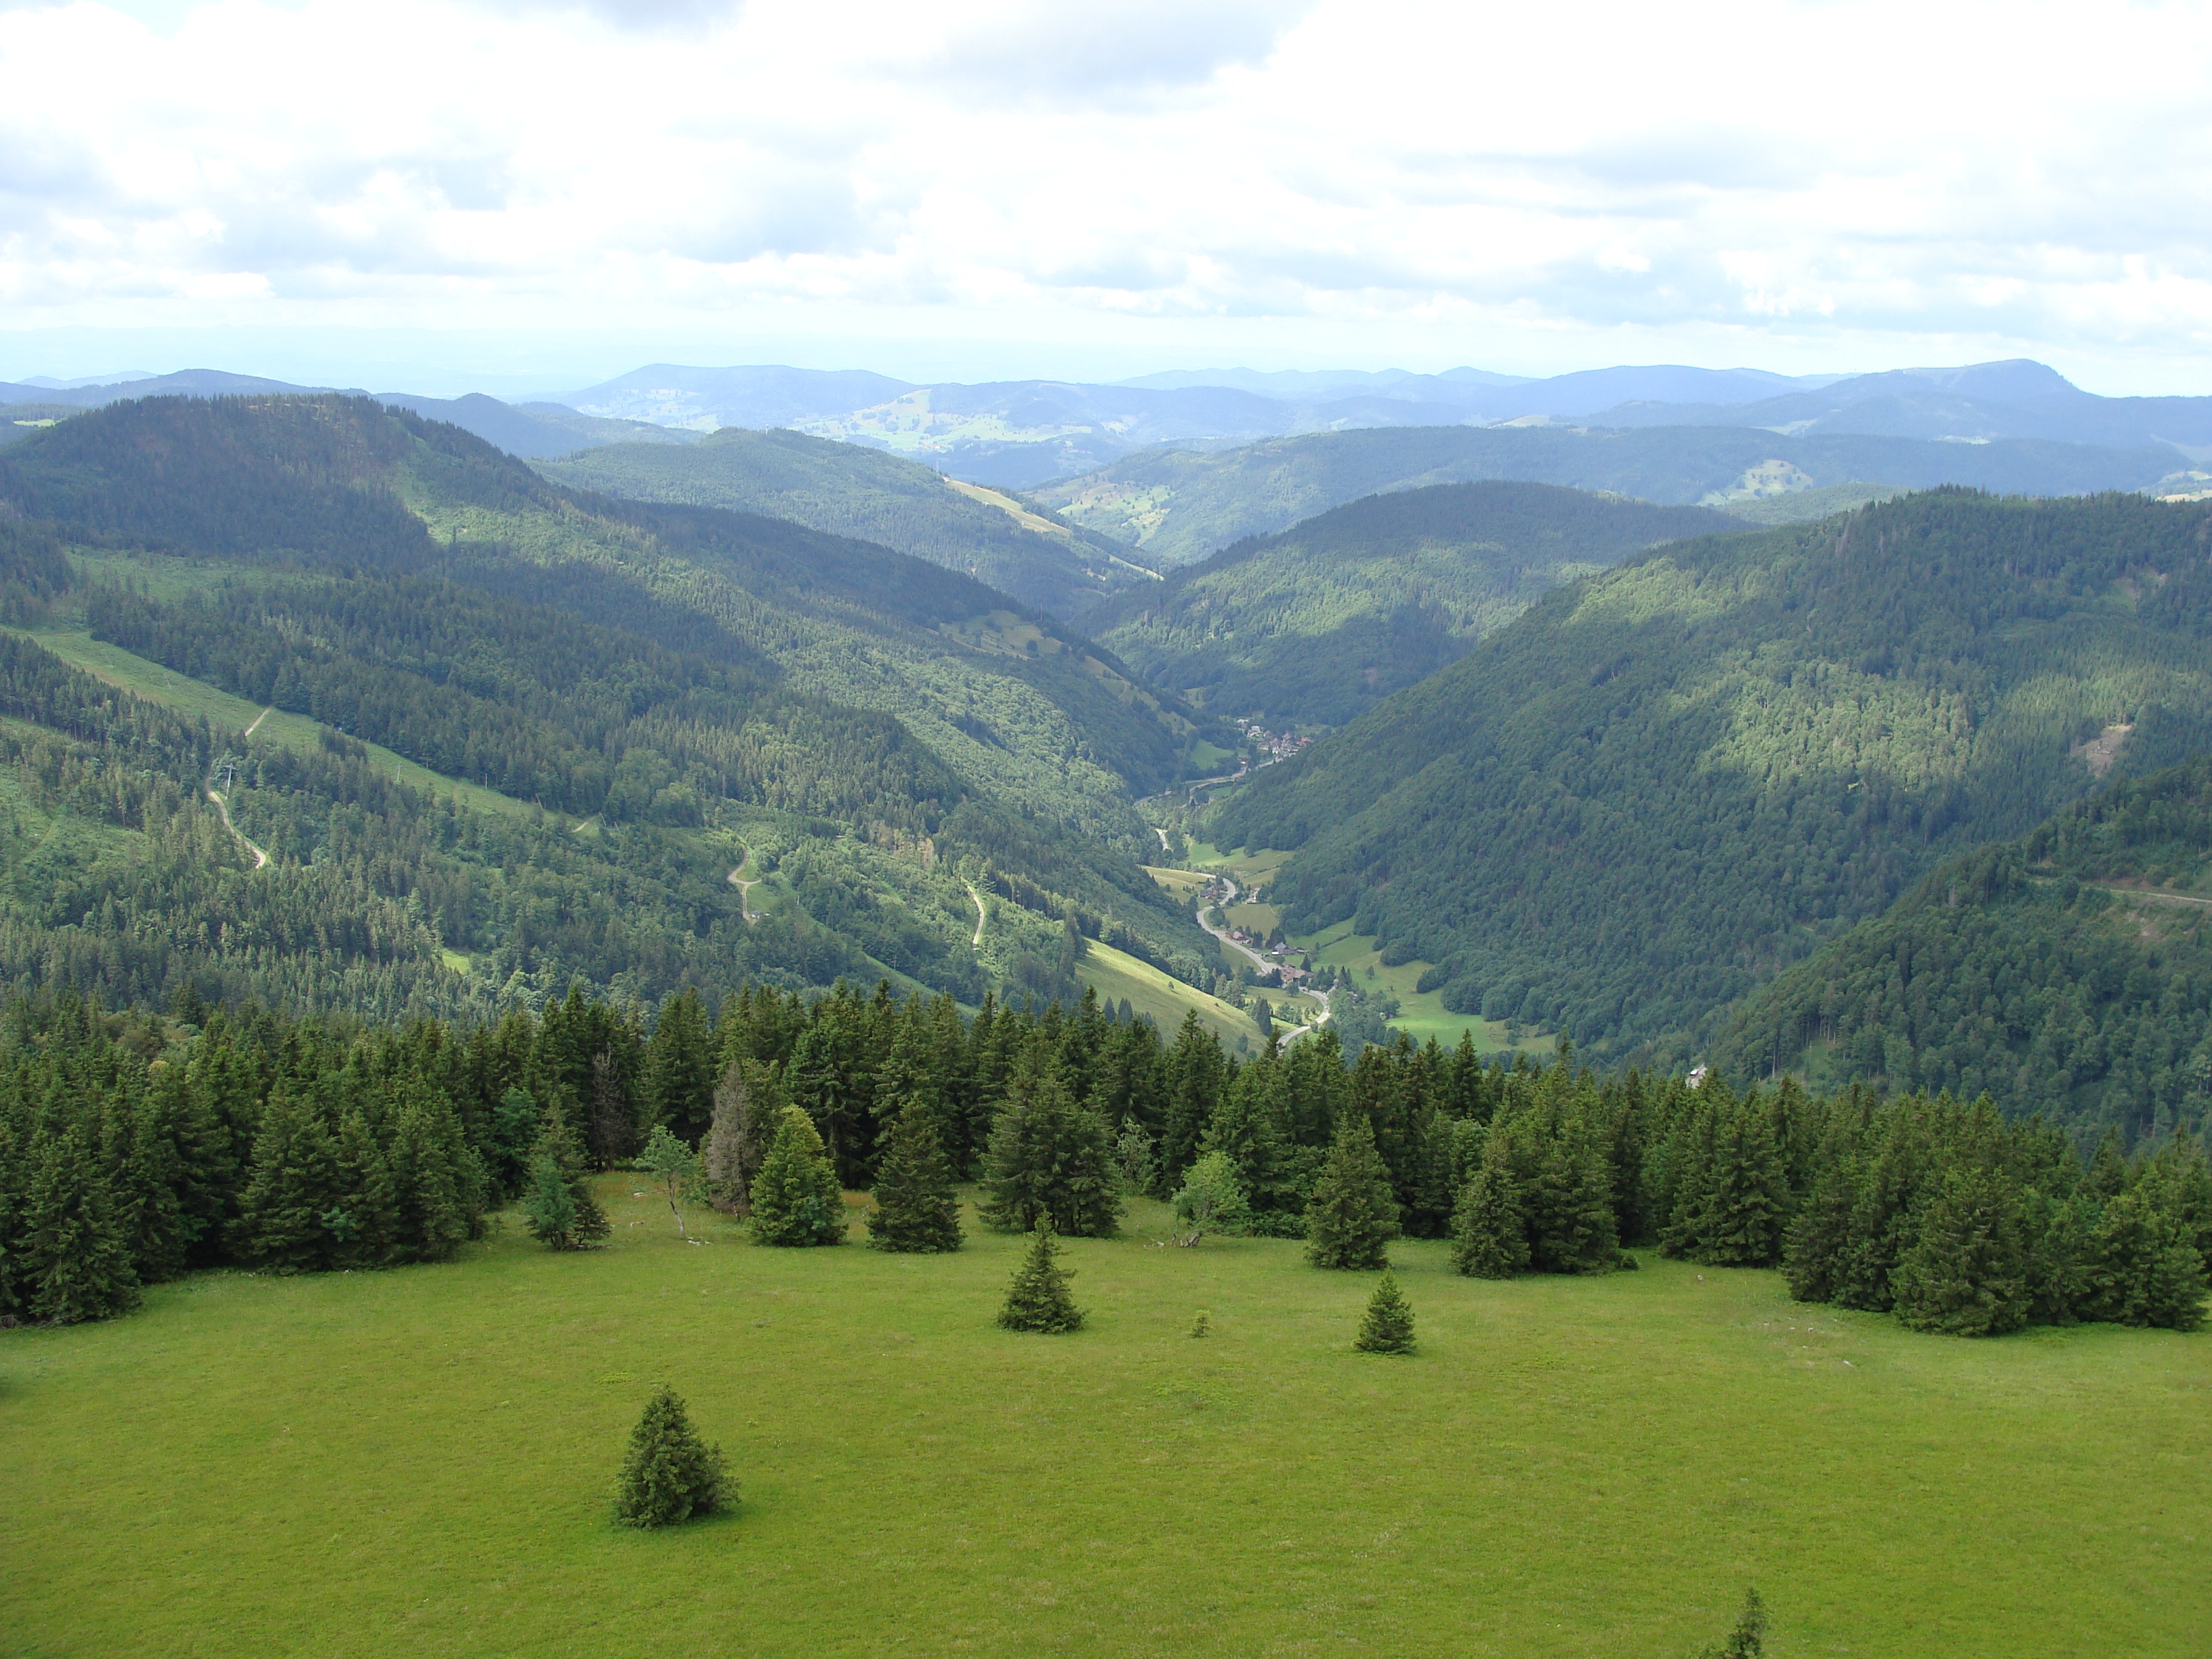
(1742,171)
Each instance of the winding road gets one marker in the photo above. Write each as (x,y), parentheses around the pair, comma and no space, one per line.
(980,914)
(744,888)
(222,806)
(260,858)
(1221,935)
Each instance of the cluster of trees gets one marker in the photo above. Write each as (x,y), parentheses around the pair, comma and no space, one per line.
(1660,787)
(155,1145)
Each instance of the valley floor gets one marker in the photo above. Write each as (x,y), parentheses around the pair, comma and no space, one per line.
(418,1462)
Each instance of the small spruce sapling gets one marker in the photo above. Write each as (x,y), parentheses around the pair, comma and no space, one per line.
(670,1474)
(1037,1299)
(676,1167)
(1749,1639)
(1388,1326)
(1202,1325)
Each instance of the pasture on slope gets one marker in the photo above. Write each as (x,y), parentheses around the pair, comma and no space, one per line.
(420,1460)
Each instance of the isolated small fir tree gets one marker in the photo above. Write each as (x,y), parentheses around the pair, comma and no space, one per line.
(1037,1299)
(1388,1326)
(1749,1639)
(915,1208)
(557,1203)
(1203,1325)
(796,1199)
(670,1474)
(1488,1241)
(1352,1216)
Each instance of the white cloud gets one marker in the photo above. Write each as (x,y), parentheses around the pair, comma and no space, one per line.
(1746,179)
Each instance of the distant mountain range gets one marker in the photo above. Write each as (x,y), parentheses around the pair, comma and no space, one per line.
(530,430)
(1020,434)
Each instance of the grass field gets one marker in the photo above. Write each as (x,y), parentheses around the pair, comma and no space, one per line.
(1424,1015)
(417,1462)
(1116,973)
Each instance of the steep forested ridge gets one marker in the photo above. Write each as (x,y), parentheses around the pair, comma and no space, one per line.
(1665,784)
(2067,973)
(847,490)
(1182,504)
(658,695)
(1321,623)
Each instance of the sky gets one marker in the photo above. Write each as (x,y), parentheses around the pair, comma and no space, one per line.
(446,195)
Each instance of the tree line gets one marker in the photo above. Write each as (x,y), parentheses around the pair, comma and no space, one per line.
(134,1147)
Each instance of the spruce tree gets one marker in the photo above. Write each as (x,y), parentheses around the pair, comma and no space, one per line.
(1749,1639)
(2144,1268)
(1351,1217)
(1389,1325)
(796,1199)
(292,1215)
(1037,1299)
(558,1200)
(670,1474)
(915,1208)
(1966,1274)
(1488,1239)
(1050,1159)
(75,1251)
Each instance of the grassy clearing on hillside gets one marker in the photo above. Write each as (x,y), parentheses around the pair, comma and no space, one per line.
(420,1461)
(1424,1014)
(1116,973)
(226,712)
(1183,884)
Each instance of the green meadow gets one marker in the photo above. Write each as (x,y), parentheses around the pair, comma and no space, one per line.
(418,1462)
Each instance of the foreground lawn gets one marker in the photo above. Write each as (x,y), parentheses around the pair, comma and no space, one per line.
(417,1462)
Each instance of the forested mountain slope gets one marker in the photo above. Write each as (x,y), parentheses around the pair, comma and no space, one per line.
(1319,623)
(849,490)
(655,697)
(1663,785)
(1180,505)
(2068,972)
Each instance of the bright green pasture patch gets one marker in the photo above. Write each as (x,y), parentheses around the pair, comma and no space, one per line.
(1204,754)
(418,1462)
(1422,1014)
(1116,973)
